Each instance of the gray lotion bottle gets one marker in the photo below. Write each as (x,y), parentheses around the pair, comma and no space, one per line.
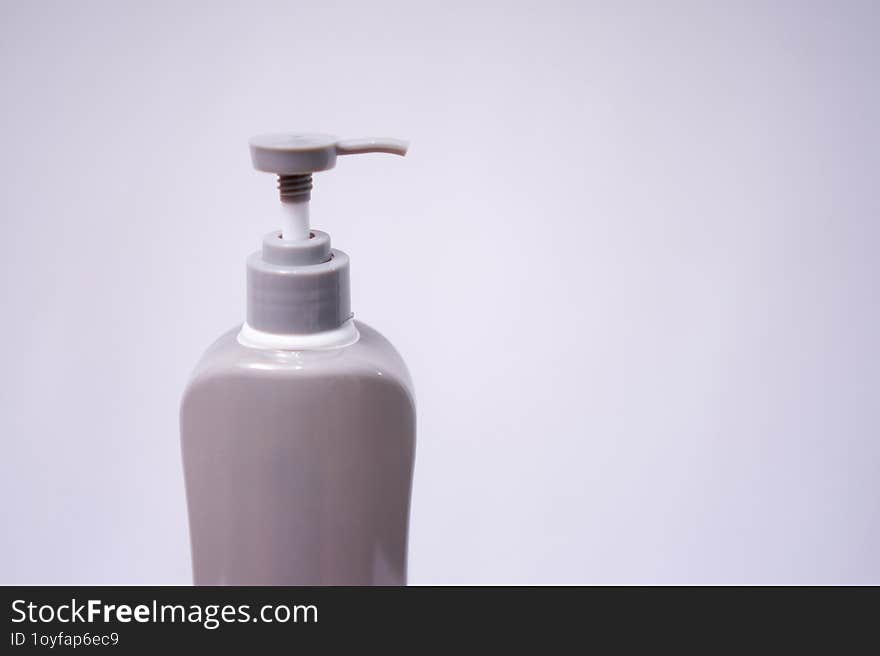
(298,427)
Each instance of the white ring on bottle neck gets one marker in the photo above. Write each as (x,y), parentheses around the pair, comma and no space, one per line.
(345,335)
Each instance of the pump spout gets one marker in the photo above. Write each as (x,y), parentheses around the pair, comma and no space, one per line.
(289,154)
(372,145)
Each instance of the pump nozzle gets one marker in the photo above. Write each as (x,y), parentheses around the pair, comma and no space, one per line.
(372,145)
(294,157)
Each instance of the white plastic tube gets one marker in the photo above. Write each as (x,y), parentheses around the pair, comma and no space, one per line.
(295,221)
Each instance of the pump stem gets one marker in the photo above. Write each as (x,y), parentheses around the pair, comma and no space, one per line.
(295,221)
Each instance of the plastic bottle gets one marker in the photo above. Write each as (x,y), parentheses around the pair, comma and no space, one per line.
(298,427)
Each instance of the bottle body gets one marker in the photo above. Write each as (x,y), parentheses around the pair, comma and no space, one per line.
(298,464)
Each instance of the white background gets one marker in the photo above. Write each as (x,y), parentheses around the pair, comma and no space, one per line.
(631,261)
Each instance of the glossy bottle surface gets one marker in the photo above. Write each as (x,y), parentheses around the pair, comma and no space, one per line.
(298,464)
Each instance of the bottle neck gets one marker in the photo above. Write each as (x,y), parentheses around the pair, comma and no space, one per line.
(345,335)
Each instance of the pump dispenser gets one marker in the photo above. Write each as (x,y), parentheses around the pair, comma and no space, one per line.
(298,427)
(297,284)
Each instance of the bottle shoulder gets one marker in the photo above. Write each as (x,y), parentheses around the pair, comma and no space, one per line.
(372,356)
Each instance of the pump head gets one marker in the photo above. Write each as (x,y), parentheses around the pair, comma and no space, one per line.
(297,284)
(294,157)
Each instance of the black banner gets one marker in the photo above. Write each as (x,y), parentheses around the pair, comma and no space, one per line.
(136,619)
